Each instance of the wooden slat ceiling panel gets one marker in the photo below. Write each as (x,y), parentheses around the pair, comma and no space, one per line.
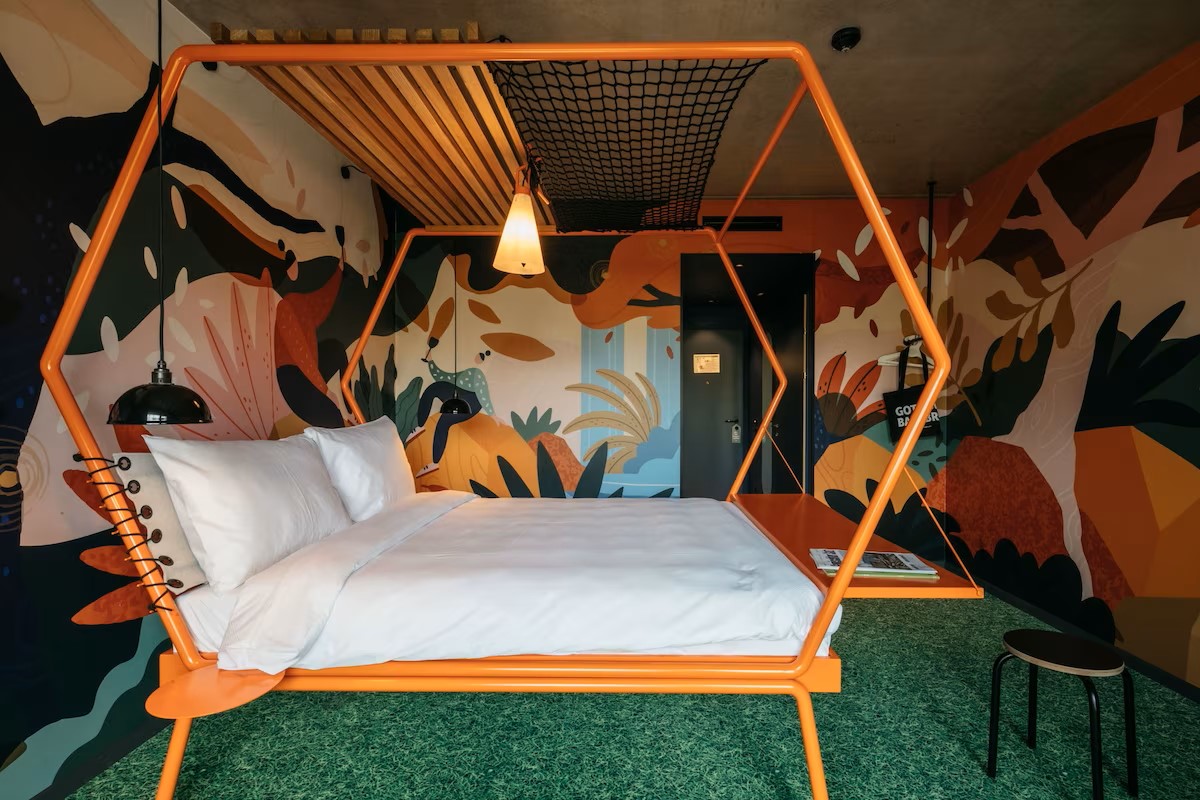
(436,138)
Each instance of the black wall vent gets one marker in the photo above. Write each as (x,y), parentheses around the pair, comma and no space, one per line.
(744,223)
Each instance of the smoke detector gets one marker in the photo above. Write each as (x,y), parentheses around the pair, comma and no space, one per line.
(845,39)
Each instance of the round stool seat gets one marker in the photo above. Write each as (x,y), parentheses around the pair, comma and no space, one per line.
(1064,653)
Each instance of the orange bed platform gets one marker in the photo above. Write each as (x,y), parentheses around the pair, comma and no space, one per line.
(191,685)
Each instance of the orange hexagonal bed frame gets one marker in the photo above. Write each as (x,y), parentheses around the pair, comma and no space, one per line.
(191,685)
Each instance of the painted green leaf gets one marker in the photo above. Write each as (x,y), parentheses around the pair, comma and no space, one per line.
(593,474)
(481,490)
(406,407)
(512,479)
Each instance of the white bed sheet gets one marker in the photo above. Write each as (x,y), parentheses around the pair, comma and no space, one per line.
(554,577)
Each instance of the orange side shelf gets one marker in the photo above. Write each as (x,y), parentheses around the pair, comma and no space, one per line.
(798,522)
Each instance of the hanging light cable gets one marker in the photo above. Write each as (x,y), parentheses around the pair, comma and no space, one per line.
(160,402)
(520,249)
(455,405)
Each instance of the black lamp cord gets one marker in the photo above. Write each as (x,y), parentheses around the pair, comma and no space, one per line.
(162,292)
(454,276)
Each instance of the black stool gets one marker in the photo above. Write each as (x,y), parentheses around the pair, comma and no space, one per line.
(1073,656)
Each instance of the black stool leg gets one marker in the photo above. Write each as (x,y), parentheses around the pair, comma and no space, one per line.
(994,721)
(1130,735)
(1094,719)
(1031,737)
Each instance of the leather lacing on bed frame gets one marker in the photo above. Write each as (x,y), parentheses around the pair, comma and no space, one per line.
(143,513)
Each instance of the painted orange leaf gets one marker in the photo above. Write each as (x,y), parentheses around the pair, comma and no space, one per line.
(120,605)
(110,558)
(297,317)
(1002,307)
(442,321)
(1005,350)
(608,337)
(81,483)
(670,353)
(832,374)
(1030,278)
(1030,342)
(483,311)
(1063,321)
(517,345)
(875,408)
(129,438)
(862,382)
(422,319)
(955,334)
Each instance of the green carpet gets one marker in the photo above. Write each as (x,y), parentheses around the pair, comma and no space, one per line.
(911,722)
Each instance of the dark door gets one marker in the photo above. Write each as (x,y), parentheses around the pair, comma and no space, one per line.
(713,323)
(712,393)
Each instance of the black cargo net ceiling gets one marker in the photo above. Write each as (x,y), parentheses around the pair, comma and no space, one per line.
(622,145)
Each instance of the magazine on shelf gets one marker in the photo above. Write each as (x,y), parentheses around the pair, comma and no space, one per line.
(874,563)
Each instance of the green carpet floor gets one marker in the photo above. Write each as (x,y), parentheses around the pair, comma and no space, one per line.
(911,722)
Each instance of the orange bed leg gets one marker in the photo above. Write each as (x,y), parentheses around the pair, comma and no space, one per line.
(174,760)
(812,747)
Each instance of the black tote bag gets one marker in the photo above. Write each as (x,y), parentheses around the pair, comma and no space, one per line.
(900,403)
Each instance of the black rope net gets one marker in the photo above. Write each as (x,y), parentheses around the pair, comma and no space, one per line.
(622,145)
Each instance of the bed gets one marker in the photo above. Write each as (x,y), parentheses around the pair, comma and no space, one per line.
(775,640)
(460,577)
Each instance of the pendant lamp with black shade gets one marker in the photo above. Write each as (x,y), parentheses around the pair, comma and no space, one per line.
(455,405)
(160,402)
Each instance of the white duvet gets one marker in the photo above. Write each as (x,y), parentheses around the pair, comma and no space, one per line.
(449,575)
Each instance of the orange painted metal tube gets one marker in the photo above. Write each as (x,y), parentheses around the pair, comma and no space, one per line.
(925,325)
(812,746)
(575,667)
(385,296)
(385,292)
(785,119)
(176,746)
(768,350)
(120,510)
(465,53)
(547,684)
(714,240)
(436,54)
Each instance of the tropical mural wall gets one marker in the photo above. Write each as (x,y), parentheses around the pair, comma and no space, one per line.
(572,377)
(1074,474)
(1066,470)
(270,260)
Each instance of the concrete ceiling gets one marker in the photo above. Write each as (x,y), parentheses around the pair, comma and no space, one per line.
(936,90)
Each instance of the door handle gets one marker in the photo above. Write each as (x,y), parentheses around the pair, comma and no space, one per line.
(732,421)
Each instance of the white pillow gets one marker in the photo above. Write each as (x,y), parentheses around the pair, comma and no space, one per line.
(367,466)
(246,505)
(147,488)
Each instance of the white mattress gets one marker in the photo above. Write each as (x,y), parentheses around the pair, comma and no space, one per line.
(518,576)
